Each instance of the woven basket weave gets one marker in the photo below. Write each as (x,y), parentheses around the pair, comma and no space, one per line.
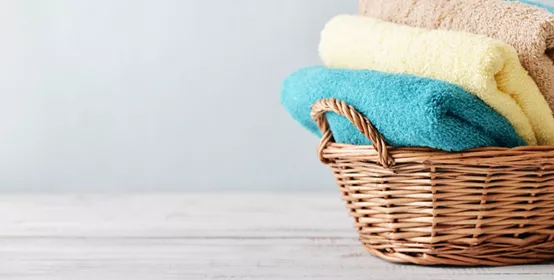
(486,206)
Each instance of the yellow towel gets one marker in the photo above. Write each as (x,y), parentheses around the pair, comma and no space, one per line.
(483,66)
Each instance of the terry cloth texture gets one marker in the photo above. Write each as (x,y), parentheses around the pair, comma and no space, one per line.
(484,66)
(529,29)
(407,110)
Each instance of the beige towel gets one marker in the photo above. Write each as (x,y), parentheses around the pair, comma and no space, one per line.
(528,28)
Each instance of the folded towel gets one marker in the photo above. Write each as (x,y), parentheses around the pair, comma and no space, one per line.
(529,29)
(483,66)
(407,110)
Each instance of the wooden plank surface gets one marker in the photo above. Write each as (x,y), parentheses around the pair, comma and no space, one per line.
(200,236)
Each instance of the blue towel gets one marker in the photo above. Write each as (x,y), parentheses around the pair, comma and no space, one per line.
(537,4)
(407,110)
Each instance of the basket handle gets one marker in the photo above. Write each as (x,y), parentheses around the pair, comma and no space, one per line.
(362,123)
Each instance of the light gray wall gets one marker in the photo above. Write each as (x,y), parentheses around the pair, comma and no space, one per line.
(117,95)
(130,95)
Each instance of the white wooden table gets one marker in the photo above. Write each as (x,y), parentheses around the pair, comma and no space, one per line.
(200,236)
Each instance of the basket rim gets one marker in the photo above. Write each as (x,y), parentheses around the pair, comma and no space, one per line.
(484,156)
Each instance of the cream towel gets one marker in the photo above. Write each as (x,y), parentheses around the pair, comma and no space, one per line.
(483,66)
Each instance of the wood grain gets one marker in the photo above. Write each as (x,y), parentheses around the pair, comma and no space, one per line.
(200,236)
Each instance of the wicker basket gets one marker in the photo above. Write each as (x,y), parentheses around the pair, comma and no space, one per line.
(486,206)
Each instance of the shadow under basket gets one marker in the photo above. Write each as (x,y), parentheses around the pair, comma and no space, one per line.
(487,206)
